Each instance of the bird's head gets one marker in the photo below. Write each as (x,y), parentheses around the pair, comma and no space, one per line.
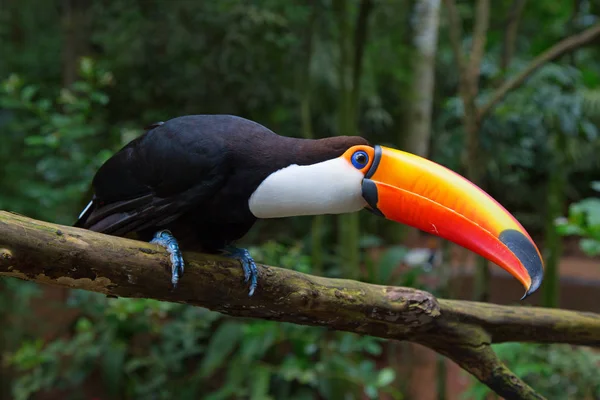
(409,189)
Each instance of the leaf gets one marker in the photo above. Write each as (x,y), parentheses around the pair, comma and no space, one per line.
(591,208)
(389,261)
(99,97)
(232,385)
(253,347)
(567,122)
(44,104)
(86,67)
(260,383)
(83,325)
(222,343)
(567,229)
(28,92)
(590,130)
(385,377)
(113,362)
(11,103)
(371,391)
(372,347)
(590,247)
(36,140)
(81,86)
(596,186)
(136,364)
(367,241)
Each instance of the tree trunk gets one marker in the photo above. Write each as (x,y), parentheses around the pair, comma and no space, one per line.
(349,74)
(347,223)
(305,88)
(468,90)
(441,377)
(417,135)
(75,44)
(360,40)
(510,33)
(475,168)
(555,199)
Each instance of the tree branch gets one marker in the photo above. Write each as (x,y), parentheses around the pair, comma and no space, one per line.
(462,330)
(455,34)
(559,49)
(468,85)
(360,40)
(482,20)
(510,33)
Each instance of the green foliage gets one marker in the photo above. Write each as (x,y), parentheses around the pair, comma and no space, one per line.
(147,349)
(544,128)
(62,140)
(557,372)
(15,297)
(584,221)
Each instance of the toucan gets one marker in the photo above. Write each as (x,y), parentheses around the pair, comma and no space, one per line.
(202,181)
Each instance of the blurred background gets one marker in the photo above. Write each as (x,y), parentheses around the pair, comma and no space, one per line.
(79,79)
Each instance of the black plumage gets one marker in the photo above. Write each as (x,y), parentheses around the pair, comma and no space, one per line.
(194,175)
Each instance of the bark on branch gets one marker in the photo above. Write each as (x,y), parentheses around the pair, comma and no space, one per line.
(463,331)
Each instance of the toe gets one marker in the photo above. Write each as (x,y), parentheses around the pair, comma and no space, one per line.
(247,271)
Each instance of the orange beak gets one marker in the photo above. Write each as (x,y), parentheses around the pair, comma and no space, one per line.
(415,191)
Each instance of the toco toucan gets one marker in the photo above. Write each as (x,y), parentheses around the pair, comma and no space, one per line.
(202,181)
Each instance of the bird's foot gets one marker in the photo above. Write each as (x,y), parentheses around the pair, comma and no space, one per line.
(167,240)
(248,264)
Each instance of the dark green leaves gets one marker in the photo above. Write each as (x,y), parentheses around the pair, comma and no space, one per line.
(221,344)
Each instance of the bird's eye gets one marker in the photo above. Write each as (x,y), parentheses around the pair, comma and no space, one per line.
(360,159)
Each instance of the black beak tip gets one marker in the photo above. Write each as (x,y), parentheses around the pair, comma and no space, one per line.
(526,252)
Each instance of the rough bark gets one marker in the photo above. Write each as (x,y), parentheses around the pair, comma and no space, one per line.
(461,330)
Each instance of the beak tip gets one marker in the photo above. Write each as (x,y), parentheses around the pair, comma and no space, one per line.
(536,282)
(534,286)
(527,293)
(529,256)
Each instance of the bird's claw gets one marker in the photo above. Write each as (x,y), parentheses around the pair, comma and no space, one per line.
(248,265)
(166,239)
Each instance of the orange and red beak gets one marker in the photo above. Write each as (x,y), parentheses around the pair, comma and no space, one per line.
(418,192)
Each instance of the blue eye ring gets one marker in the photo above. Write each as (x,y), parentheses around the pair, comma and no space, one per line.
(360,159)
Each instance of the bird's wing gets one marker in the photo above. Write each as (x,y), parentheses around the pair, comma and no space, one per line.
(155,179)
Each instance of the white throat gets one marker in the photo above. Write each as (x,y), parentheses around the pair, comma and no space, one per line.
(329,187)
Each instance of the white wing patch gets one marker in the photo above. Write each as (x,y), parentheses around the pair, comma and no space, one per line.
(329,187)
(85,209)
